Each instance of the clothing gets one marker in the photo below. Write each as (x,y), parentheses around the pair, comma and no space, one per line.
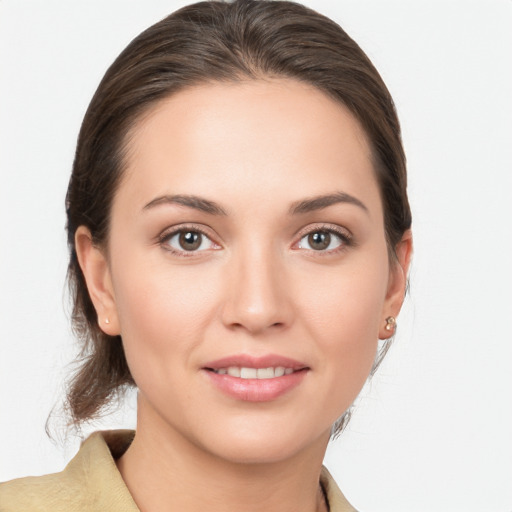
(91,482)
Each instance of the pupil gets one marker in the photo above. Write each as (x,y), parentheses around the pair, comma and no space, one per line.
(190,240)
(319,240)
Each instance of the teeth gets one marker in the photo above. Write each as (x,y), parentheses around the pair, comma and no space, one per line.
(265,373)
(234,371)
(279,371)
(254,373)
(248,373)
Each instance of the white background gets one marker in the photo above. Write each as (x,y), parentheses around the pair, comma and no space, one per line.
(433,431)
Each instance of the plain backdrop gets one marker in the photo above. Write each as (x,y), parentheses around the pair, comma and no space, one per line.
(433,430)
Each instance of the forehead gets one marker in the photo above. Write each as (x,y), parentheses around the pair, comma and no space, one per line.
(251,139)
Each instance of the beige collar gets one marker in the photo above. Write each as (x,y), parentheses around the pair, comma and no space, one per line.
(91,481)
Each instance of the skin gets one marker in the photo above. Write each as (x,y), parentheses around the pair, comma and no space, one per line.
(255,286)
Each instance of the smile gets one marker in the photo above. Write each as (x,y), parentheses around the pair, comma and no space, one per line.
(243,372)
(255,379)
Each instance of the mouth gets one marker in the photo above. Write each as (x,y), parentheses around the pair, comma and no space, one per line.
(256,379)
(245,372)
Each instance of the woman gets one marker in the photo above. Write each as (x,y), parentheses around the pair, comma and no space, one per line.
(240,238)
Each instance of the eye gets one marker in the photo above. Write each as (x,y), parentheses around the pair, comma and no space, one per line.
(187,240)
(322,240)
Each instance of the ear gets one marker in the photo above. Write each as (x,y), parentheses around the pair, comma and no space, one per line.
(94,265)
(397,284)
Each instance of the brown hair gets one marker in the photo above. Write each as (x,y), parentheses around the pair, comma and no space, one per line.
(204,42)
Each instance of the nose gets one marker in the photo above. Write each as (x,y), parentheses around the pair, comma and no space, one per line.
(257,295)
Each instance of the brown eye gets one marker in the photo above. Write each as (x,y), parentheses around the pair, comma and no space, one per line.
(319,240)
(190,240)
(187,241)
(322,240)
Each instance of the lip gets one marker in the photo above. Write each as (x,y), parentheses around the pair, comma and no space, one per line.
(255,362)
(255,390)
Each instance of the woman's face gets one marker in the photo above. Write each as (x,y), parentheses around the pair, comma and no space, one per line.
(248,272)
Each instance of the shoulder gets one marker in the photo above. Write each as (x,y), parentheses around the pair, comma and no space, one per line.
(48,492)
(335,498)
(89,482)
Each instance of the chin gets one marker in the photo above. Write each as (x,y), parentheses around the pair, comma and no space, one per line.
(265,444)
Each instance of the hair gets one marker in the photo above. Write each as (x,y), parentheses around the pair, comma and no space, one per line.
(212,41)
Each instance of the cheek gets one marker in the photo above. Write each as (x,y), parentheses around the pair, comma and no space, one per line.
(347,301)
(343,312)
(162,312)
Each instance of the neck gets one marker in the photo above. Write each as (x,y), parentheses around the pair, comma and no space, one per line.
(165,471)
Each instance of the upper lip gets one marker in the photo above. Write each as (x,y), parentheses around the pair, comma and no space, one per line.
(248,361)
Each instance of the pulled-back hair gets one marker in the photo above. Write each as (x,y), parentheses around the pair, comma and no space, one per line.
(212,41)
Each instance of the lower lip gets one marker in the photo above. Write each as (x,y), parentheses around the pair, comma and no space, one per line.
(256,390)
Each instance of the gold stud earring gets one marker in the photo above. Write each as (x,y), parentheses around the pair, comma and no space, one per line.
(390,323)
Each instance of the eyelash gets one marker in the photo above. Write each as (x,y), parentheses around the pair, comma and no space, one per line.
(344,237)
(166,236)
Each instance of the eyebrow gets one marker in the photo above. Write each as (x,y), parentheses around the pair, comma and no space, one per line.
(320,202)
(298,207)
(195,202)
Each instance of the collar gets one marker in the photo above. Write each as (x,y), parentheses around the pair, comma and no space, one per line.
(91,481)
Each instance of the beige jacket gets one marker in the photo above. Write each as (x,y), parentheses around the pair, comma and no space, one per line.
(91,482)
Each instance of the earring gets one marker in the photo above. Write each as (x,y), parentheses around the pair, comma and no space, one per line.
(390,323)
(107,321)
